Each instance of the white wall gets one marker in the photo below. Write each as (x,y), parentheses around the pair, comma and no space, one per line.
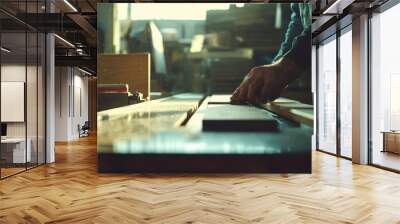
(33,126)
(15,73)
(61,103)
(71,94)
(80,99)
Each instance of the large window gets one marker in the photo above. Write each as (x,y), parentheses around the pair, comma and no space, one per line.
(334,94)
(345,93)
(385,89)
(326,92)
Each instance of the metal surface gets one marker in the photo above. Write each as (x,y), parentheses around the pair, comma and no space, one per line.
(151,129)
(287,141)
(240,118)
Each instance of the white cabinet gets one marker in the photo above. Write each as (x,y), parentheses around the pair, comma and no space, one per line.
(17,147)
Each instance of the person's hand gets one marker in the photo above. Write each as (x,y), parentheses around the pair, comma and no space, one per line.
(264,83)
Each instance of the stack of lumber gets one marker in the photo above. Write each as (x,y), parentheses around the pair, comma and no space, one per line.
(131,69)
(254,24)
(226,75)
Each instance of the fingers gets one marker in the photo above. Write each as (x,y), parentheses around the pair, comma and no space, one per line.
(244,88)
(270,92)
(254,91)
(261,85)
(235,98)
(235,94)
(276,93)
(264,96)
(250,88)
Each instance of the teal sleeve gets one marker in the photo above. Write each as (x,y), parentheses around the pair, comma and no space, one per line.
(300,52)
(295,28)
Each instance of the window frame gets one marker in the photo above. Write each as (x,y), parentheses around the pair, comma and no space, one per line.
(333,37)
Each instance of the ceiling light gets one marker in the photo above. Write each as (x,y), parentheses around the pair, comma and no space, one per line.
(5,50)
(337,7)
(84,71)
(70,5)
(65,41)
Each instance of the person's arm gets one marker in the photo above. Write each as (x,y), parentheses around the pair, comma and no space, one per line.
(299,56)
(266,83)
(294,29)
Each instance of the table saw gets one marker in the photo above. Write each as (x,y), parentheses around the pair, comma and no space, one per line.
(192,133)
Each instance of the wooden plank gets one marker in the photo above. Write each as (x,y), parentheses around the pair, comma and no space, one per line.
(219,99)
(131,69)
(287,108)
(144,120)
(292,110)
(237,118)
(223,99)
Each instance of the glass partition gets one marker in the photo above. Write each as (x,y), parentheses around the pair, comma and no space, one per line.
(41,97)
(22,91)
(14,153)
(31,97)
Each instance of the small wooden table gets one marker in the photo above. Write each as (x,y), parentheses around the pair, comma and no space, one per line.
(391,141)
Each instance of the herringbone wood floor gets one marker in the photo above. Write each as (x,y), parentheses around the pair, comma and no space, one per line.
(71,191)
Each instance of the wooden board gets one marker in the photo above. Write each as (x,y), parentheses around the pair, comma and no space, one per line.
(237,118)
(131,69)
(223,99)
(219,99)
(292,110)
(143,120)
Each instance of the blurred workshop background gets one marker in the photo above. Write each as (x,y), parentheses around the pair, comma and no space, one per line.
(208,50)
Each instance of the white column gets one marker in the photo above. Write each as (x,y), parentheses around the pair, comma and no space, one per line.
(50,92)
(360,90)
(50,100)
